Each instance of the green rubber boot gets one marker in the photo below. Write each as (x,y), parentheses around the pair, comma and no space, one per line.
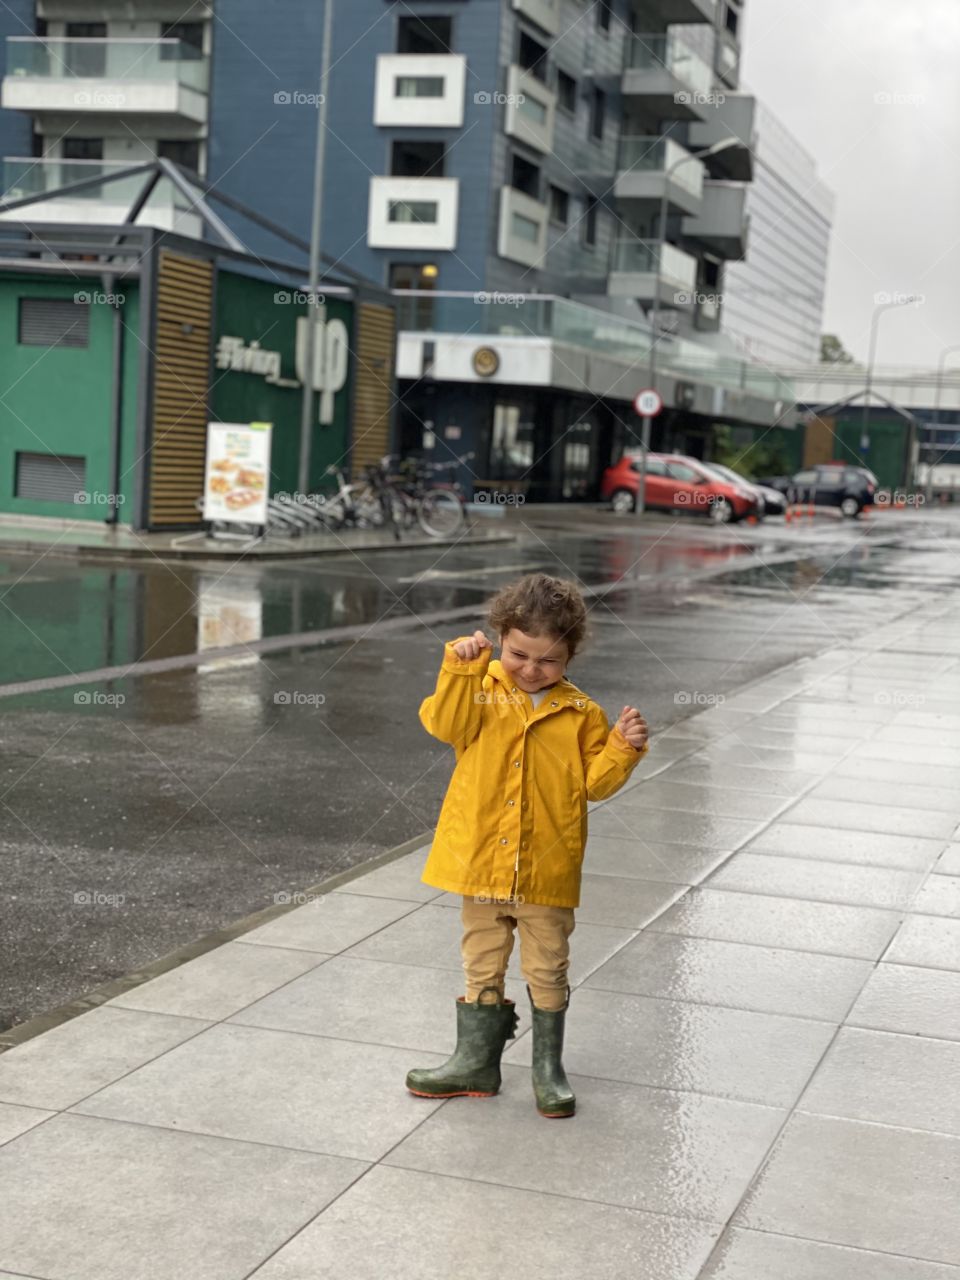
(474,1068)
(550,1085)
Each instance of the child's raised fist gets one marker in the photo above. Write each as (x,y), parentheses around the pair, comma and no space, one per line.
(633,727)
(467,650)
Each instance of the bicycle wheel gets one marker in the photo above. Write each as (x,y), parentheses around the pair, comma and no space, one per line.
(440,513)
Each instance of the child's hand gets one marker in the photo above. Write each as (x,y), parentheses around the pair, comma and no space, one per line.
(467,650)
(633,727)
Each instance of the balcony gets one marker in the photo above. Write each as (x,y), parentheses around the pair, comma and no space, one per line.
(530,110)
(420,90)
(165,80)
(734,117)
(671,79)
(687,11)
(721,226)
(522,232)
(643,165)
(167,207)
(413,213)
(643,268)
(545,13)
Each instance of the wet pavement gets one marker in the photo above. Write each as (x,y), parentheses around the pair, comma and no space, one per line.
(185,745)
(763,1033)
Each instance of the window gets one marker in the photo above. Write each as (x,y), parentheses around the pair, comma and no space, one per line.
(678,471)
(182,151)
(418,86)
(417,159)
(413,275)
(412,211)
(532,56)
(654,467)
(524,228)
(49,477)
(590,222)
(84,59)
(604,14)
(424,35)
(598,108)
(559,205)
(83,149)
(533,109)
(191,33)
(566,92)
(525,177)
(53,322)
(732,20)
(805,478)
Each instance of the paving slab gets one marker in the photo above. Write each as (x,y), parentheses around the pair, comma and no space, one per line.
(733,975)
(671,1044)
(904,1080)
(133,1200)
(762,1255)
(916,1001)
(665,1151)
(871,1186)
(927,941)
(410,1225)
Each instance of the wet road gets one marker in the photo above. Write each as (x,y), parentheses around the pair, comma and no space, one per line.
(143,811)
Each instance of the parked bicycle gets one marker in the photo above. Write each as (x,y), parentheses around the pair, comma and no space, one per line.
(411,493)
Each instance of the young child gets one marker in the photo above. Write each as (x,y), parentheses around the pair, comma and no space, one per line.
(531,750)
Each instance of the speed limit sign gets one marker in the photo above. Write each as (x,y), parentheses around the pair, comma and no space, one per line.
(648,403)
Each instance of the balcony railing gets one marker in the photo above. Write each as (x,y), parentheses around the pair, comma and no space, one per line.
(114,60)
(658,155)
(106,203)
(577,325)
(659,50)
(654,257)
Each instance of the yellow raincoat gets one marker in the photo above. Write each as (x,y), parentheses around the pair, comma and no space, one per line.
(514,819)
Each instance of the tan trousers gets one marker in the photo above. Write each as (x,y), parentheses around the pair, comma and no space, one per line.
(487,943)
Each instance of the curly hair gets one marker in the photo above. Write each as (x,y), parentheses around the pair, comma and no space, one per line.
(539,605)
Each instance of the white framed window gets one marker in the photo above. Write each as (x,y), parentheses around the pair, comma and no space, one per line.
(412,213)
(424,89)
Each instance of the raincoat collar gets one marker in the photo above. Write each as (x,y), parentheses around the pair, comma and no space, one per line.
(564,691)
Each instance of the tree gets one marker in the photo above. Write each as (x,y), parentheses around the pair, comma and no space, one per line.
(832,350)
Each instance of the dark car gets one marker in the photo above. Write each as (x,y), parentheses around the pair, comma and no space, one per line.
(829,484)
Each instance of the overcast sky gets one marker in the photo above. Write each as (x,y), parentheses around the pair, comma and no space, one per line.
(894,166)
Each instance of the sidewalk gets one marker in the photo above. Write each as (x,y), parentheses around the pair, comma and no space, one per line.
(93,538)
(764,1038)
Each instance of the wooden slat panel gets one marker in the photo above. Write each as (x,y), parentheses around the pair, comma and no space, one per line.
(374,385)
(181,380)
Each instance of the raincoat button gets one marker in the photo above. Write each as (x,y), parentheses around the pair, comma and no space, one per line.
(554,704)
(516,764)
(525,844)
(511,802)
(503,839)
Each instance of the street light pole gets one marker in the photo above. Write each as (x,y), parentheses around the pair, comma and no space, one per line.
(871,356)
(313,287)
(722,145)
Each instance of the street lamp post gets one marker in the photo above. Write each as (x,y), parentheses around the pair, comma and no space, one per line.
(313,288)
(928,487)
(871,356)
(713,150)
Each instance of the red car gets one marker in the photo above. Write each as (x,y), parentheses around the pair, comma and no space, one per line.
(676,483)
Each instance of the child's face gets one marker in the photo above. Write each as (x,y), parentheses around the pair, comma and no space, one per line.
(533,661)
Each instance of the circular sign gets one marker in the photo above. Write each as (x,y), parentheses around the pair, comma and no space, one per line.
(485,361)
(648,403)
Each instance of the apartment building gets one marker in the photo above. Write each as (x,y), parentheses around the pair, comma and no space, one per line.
(542,179)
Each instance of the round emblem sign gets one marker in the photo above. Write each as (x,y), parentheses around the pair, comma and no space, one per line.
(485,361)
